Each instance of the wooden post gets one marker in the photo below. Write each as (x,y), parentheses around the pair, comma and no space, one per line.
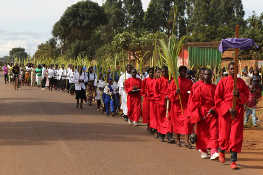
(235,70)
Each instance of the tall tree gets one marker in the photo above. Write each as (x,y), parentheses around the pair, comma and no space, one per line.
(154,19)
(116,20)
(134,14)
(214,19)
(160,16)
(254,31)
(19,53)
(47,50)
(79,23)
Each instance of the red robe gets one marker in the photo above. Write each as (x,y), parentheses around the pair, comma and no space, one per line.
(147,93)
(207,124)
(153,105)
(230,130)
(133,100)
(161,92)
(193,113)
(180,120)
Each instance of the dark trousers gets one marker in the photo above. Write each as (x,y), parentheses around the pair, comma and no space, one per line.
(67,85)
(63,84)
(6,78)
(98,104)
(43,82)
(116,101)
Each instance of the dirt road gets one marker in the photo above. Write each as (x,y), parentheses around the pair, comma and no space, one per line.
(41,133)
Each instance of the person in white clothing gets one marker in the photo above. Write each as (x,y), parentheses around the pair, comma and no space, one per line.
(91,88)
(44,76)
(69,71)
(100,85)
(51,74)
(56,77)
(116,95)
(122,92)
(71,86)
(80,78)
(62,77)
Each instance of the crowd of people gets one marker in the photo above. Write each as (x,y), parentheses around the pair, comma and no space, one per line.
(200,111)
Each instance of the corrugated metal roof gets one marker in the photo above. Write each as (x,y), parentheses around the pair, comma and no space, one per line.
(204,56)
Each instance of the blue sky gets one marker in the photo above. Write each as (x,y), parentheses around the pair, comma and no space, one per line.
(28,23)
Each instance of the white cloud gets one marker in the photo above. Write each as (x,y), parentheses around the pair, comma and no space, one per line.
(252,5)
(27,40)
(28,23)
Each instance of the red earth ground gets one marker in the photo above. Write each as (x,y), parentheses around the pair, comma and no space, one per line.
(42,133)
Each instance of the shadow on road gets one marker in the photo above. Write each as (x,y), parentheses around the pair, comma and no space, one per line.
(29,108)
(38,133)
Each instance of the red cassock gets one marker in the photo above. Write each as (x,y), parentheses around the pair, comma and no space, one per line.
(161,92)
(193,113)
(180,120)
(147,93)
(133,100)
(153,104)
(207,124)
(230,130)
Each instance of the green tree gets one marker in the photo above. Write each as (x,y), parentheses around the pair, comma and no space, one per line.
(78,26)
(47,50)
(133,14)
(116,20)
(157,16)
(153,20)
(18,53)
(214,19)
(254,31)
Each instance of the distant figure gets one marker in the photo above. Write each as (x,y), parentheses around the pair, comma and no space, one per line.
(5,70)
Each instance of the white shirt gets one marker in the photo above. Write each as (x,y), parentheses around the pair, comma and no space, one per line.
(100,85)
(56,74)
(115,87)
(63,73)
(69,71)
(50,73)
(28,68)
(59,73)
(43,72)
(92,76)
(77,77)
(71,76)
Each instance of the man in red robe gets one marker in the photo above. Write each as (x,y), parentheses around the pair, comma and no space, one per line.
(205,118)
(178,96)
(154,103)
(161,93)
(230,119)
(133,87)
(193,113)
(147,93)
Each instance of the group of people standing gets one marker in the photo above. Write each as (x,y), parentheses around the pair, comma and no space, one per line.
(200,111)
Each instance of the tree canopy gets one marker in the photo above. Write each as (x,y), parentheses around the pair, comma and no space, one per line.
(76,29)
(18,53)
(89,30)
